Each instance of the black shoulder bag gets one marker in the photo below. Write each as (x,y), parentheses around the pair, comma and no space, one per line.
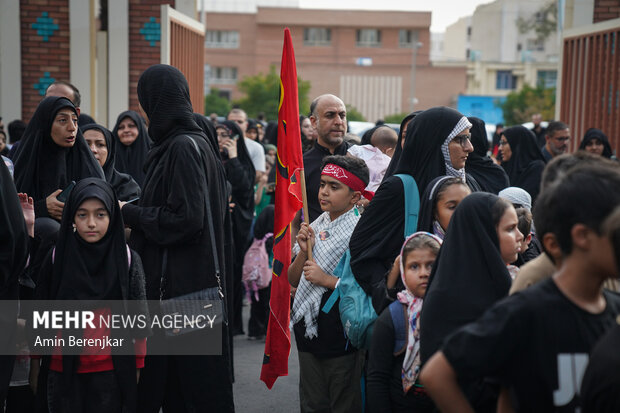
(198,307)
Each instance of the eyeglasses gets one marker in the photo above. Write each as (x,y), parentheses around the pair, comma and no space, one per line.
(562,138)
(223,135)
(462,140)
(502,143)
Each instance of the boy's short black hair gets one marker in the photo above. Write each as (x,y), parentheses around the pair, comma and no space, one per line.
(352,164)
(612,228)
(586,194)
(559,166)
(525,221)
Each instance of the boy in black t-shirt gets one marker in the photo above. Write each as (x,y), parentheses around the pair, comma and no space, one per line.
(537,342)
(330,367)
(600,390)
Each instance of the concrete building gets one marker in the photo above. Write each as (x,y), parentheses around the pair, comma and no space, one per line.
(495,35)
(588,85)
(502,58)
(457,41)
(499,57)
(437,46)
(365,57)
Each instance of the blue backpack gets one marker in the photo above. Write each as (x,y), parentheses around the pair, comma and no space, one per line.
(398,313)
(357,313)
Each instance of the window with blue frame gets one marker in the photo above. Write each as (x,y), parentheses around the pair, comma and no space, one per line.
(505,80)
(547,78)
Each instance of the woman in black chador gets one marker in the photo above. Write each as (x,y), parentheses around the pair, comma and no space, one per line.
(522,159)
(125,187)
(240,174)
(171,219)
(490,176)
(133,145)
(596,142)
(469,276)
(13,256)
(436,144)
(52,153)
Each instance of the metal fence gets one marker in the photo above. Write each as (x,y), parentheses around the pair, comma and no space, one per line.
(590,81)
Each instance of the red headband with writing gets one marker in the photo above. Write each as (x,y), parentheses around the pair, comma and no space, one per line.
(347,178)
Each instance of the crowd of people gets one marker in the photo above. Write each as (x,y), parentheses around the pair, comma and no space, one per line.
(491,267)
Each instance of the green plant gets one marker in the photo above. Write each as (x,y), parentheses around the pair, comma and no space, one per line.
(216,103)
(262,94)
(354,115)
(395,118)
(520,106)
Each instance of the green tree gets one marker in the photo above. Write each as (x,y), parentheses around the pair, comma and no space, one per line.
(354,114)
(520,106)
(395,118)
(216,103)
(543,22)
(262,94)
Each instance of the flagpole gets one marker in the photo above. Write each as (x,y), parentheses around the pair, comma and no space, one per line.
(304,197)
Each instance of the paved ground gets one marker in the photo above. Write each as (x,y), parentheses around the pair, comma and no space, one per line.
(251,394)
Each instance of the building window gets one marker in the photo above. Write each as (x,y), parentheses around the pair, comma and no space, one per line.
(226,94)
(547,78)
(223,75)
(222,39)
(368,38)
(536,45)
(505,80)
(474,55)
(317,36)
(406,38)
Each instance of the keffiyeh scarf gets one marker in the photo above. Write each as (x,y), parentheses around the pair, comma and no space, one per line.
(329,245)
(450,170)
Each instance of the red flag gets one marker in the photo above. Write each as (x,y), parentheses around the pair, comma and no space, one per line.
(289,164)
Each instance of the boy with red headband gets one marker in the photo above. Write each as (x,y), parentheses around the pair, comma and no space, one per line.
(329,366)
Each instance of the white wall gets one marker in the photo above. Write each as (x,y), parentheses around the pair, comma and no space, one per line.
(80,51)
(578,13)
(495,34)
(118,59)
(188,8)
(456,41)
(10,62)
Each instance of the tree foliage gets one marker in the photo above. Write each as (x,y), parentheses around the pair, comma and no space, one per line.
(396,118)
(520,106)
(216,103)
(262,94)
(354,115)
(543,22)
